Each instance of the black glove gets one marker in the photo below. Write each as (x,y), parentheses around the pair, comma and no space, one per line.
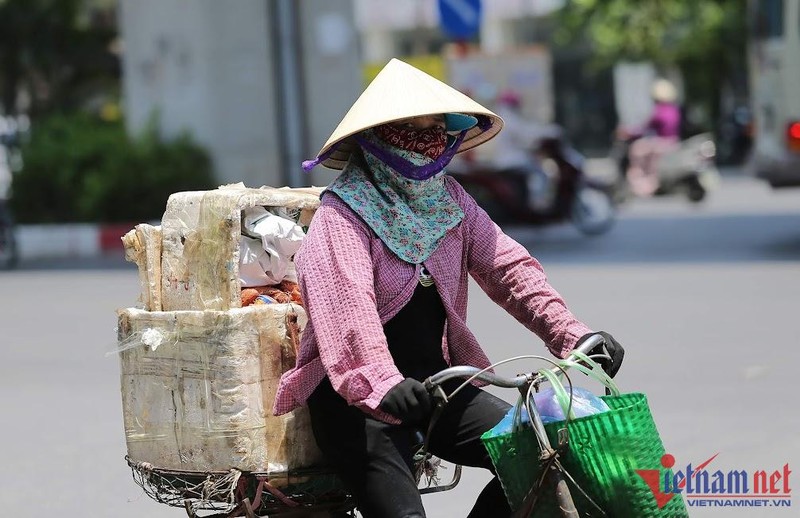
(407,401)
(610,347)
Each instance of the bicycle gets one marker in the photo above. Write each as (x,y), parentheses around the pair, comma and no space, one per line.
(317,492)
(311,492)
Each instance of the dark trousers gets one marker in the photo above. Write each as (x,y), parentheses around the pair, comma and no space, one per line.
(374,458)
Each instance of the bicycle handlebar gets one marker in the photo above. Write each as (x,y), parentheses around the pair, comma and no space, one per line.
(465,371)
(559,484)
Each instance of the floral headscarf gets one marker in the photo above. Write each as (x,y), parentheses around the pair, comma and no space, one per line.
(411,217)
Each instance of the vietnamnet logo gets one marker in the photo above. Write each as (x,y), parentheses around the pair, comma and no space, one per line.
(706,488)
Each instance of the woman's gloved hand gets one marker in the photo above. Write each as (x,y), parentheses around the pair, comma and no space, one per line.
(611,347)
(407,401)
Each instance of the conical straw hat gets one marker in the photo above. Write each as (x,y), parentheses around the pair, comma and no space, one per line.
(400,91)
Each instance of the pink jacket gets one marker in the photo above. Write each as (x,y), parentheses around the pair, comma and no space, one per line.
(352,284)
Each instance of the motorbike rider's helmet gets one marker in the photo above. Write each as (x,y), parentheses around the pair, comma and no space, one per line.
(663,91)
(510,98)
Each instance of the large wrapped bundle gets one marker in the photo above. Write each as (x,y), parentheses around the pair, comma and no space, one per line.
(198,387)
(199,372)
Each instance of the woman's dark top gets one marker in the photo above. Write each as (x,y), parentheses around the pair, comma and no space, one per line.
(415,334)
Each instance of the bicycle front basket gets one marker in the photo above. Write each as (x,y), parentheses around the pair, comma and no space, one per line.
(604,456)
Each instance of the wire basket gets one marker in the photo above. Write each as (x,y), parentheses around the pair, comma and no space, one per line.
(223,492)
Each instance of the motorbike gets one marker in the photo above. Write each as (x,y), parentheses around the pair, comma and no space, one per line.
(688,169)
(735,136)
(554,189)
(9,137)
(8,242)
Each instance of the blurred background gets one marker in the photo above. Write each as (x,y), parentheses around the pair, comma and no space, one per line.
(180,94)
(659,146)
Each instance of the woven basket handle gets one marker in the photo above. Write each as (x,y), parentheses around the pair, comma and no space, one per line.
(564,399)
(588,367)
(591,368)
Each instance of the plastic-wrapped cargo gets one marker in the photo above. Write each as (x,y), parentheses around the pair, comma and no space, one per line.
(198,388)
(199,372)
(201,231)
(143,247)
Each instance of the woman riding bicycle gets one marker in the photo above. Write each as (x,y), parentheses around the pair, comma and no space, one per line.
(383,274)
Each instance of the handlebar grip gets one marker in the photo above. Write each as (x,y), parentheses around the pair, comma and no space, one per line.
(590,343)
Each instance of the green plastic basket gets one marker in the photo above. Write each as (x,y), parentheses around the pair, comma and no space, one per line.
(603,454)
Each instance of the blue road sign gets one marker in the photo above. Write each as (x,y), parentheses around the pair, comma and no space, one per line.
(460,19)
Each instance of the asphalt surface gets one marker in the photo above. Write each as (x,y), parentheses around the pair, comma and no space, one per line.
(704,298)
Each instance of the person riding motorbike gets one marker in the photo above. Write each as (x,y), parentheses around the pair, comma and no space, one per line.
(660,135)
(514,150)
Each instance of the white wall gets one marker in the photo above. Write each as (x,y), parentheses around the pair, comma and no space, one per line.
(331,69)
(632,83)
(204,66)
(207,67)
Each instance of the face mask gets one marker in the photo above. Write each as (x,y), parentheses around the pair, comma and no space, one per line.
(407,168)
(430,142)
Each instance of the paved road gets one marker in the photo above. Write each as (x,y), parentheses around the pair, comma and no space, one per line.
(705,300)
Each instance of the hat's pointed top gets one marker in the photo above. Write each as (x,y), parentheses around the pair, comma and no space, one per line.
(400,91)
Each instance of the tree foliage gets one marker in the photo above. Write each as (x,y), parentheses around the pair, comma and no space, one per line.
(53,50)
(79,168)
(662,31)
(705,39)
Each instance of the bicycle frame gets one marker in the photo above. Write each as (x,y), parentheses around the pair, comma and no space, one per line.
(190,489)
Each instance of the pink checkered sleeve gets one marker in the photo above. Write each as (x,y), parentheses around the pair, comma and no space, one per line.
(517,282)
(336,273)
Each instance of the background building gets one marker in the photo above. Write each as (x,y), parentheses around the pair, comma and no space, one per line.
(260,83)
(512,49)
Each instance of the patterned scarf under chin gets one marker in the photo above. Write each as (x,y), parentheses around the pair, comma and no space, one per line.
(411,217)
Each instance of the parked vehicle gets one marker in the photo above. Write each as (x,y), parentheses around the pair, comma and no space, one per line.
(8,242)
(10,132)
(565,194)
(688,169)
(735,136)
(774,58)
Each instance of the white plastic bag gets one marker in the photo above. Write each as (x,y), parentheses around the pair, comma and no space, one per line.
(584,403)
(255,264)
(267,262)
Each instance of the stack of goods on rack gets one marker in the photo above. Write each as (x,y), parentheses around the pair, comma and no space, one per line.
(218,322)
